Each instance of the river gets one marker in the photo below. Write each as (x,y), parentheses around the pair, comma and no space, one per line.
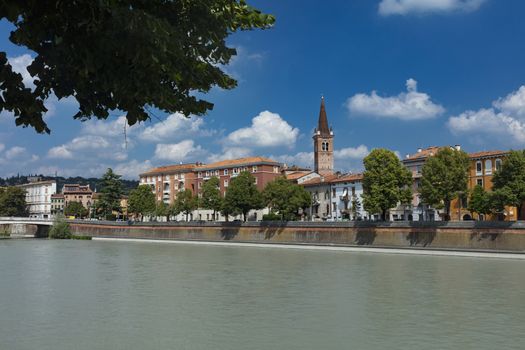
(124,295)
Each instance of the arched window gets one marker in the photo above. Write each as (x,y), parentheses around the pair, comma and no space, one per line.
(479,166)
(498,164)
(488,167)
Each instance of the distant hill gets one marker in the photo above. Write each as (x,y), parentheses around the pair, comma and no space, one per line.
(94,183)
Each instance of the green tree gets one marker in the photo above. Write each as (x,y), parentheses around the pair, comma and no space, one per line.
(386,182)
(13,202)
(141,201)
(211,195)
(510,180)
(242,195)
(110,193)
(286,198)
(75,209)
(444,178)
(185,203)
(122,55)
(60,228)
(161,209)
(480,201)
(356,206)
(498,199)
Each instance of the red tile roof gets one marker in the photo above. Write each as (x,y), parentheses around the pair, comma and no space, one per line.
(170,169)
(483,154)
(348,178)
(320,180)
(425,153)
(297,175)
(237,162)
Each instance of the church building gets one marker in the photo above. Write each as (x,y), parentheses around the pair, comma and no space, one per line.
(323,145)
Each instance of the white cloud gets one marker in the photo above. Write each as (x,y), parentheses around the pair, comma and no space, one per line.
(513,103)
(2,147)
(174,127)
(230,153)
(19,65)
(132,169)
(412,105)
(406,7)
(267,130)
(15,152)
(178,152)
(358,152)
(60,152)
(302,159)
(508,129)
(109,128)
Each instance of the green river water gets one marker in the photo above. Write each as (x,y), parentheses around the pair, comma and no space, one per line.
(122,295)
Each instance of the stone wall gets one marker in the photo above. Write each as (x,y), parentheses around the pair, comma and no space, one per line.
(451,235)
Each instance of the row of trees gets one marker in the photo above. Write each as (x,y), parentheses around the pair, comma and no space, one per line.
(284,198)
(445,175)
(13,201)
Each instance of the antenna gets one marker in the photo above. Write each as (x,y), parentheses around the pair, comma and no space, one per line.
(125,135)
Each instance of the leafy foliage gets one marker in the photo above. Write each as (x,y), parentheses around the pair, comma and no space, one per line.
(480,201)
(123,55)
(161,209)
(242,195)
(13,201)
(211,195)
(110,194)
(445,176)
(286,198)
(185,203)
(75,209)
(60,228)
(386,182)
(356,207)
(509,181)
(141,201)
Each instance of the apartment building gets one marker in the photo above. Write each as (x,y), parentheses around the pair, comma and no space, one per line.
(167,181)
(77,193)
(38,198)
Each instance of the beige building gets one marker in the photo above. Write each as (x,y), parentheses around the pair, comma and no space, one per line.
(77,193)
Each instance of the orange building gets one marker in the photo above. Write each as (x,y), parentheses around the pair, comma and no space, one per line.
(167,181)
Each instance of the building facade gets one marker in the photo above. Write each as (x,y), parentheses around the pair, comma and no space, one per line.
(38,198)
(323,144)
(57,204)
(78,193)
(167,181)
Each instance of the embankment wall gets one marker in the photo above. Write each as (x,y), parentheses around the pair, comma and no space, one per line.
(501,236)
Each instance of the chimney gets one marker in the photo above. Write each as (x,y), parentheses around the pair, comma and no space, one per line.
(457,147)
(419,150)
(407,156)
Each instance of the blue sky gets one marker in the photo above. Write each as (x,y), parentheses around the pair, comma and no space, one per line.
(399,74)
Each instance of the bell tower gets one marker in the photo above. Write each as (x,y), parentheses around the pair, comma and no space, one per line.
(323,144)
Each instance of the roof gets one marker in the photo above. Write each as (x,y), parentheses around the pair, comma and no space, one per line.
(484,154)
(237,162)
(170,169)
(322,125)
(296,168)
(423,154)
(320,180)
(297,175)
(38,183)
(57,195)
(348,178)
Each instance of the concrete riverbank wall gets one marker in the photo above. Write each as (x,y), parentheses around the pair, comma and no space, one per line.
(23,230)
(502,236)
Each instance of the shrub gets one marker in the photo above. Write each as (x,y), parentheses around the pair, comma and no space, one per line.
(60,229)
(271,217)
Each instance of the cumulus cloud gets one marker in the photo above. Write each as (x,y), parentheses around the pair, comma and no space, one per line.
(15,152)
(86,146)
(19,65)
(410,105)
(230,153)
(132,169)
(2,147)
(267,130)
(358,152)
(178,152)
(302,159)
(109,128)
(60,152)
(513,103)
(406,7)
(174,127)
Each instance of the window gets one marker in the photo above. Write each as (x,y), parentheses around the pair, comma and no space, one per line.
(334,206)
(478,168)
(498,164)
(226,183)
(225,171)
(255,180)
(333,192)
(235,170)
(488,167)
(216,172)
(159,178)
(254,169)
(326,195)
(479,182)
(275,169)
(199,174)
(167,178)
(207,174)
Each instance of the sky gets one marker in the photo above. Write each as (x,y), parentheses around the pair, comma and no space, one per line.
(396,74)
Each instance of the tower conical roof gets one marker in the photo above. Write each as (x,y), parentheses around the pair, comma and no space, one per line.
(322,126)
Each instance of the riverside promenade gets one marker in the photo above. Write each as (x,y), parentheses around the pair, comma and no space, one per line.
(487,236)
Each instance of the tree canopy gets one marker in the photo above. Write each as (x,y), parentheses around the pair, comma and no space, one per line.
(480,201)
(242,195)
(141,201)
(286,198)
(125,55)
(445,177)
(386,182)
(509,181)
(185,203)
(13,201)
(110,193)
(75,209)
(211,195)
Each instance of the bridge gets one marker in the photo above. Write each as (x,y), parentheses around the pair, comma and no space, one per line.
(24,226)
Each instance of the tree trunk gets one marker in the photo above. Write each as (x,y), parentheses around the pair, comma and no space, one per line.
(447,210)
(519,216)
(244,214)
(383,215)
